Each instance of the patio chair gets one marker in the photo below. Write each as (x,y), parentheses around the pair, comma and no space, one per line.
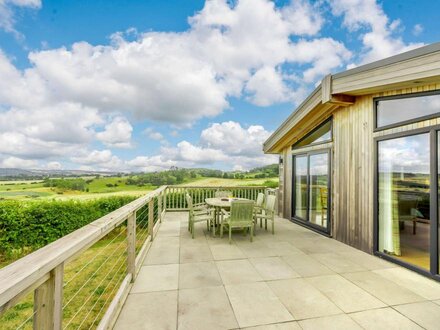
(241,216)
(197,214)
(222,194)
(259,206)
(268,212)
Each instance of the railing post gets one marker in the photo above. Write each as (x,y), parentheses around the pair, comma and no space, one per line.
(151,218)
(131,245)
(159,207)
(48,301)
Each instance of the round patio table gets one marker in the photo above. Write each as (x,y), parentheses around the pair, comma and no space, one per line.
(219,203)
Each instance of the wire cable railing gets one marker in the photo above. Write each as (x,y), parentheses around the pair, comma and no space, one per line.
(78,281)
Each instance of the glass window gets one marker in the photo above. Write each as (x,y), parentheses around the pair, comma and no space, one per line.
(404,198)
(301,187)
(318,189)
(392,111)
(320,135)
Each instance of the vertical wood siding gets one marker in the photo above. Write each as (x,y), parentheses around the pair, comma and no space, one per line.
(353,168)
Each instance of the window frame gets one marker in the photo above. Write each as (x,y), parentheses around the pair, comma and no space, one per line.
(306,222)
(376,101)
(330,119)
(434,194)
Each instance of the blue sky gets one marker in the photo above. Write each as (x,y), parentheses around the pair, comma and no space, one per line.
(145,85)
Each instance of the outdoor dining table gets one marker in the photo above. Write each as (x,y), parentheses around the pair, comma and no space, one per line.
(219,203)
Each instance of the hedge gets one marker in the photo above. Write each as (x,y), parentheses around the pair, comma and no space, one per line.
(27,226)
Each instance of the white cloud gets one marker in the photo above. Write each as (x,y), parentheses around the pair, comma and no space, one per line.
(54,166)
(7,19)
(117,133)
(417,29)
(150,164)
(377,31)
(15,162)
(266,87)
(304,18)
(234,139)
(154,135)
(100,159)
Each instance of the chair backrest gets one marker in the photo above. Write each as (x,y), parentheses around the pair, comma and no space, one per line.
(222,193)
(242,211)
(189,201)
(260,200)
(271,203)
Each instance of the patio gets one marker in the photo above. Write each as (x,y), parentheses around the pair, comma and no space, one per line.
(295,279)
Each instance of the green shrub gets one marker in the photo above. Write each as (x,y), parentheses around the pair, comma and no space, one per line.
(27,226)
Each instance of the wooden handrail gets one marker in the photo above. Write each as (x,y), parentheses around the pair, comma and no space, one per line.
(218,187)
(42,270)
(20,277)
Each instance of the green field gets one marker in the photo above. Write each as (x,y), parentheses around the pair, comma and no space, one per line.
(100,187)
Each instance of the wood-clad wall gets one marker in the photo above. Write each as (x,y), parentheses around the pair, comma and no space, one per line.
(352,192)
(353,168)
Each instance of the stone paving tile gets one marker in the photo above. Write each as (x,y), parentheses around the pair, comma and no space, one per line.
(153,310)
(156,278)
(198,275)
(273,268)
(242,285)
(195,254)
(302,299)
(226,251)
(425,314)
(256,304)
(383,319)
(422,286)
(383,289)
(307,266)
(335,322)
(205,308)
(337,263)
(278,326)
(237,271)
(346,295)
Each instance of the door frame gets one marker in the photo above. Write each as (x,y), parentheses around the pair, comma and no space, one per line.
(306,222)
(434,194)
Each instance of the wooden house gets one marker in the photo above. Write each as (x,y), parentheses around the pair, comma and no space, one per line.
(359,159)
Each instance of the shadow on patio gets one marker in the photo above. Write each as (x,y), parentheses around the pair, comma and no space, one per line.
(291,280)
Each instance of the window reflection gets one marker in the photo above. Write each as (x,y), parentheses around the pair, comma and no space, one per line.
(403,195)
(393,111)
(300,187)
(319,135)
(318,189)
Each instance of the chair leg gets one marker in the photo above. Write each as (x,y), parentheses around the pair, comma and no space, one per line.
(221,231)
(192,230)
(252,233)
(273,226)
(230,234)
(265,224)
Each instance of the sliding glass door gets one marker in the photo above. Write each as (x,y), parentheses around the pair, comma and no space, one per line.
(404,198)
(311,184)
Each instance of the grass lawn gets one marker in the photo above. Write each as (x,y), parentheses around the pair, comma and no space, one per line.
(90,283)
(106,187)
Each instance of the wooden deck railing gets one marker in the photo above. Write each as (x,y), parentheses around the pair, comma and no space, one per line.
(175,195)
(119,242)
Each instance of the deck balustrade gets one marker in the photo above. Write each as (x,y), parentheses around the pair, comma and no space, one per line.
(82,279)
